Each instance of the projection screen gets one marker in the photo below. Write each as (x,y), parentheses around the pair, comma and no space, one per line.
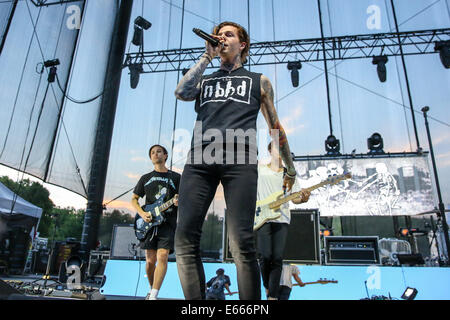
(386,185)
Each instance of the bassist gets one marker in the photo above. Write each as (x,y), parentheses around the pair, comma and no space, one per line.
(160,184)
(271,237)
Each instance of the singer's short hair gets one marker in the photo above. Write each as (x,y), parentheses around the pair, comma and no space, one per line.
(243,37)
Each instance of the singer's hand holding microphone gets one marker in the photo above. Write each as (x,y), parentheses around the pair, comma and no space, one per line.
(213,44)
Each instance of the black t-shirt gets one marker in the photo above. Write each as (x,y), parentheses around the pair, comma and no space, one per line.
(155,185)
(228,101)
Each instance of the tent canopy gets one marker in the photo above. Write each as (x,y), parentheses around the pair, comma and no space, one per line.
(21,206)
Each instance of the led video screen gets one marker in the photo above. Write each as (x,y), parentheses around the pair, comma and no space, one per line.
(379,186)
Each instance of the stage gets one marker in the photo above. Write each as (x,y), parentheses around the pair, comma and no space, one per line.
(127,278)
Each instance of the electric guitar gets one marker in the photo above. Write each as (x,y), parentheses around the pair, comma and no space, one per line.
(142,228)
(321,281)
(269,208)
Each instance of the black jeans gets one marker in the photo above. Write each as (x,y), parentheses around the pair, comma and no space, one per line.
(271,241)
(284,293)
(197,189)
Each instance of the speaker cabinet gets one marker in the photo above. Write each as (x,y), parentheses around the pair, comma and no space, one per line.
(124,244)
(350,250)
(303,240)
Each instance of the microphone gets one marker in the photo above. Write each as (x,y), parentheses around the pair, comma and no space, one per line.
(207,37)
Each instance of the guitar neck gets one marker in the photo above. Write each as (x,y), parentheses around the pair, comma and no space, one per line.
(294,195)
(315,282)
(166,205)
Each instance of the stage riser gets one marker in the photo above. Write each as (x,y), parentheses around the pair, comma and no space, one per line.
(127,278)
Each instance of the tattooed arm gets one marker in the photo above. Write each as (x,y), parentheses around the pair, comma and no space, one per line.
(276,130)
(189,86)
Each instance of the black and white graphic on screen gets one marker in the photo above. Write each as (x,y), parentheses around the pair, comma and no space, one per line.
(221,89)
(384,186)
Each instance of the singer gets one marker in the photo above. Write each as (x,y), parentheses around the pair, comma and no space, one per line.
(227,100)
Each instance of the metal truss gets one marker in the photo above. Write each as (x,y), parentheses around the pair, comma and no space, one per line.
(46,3)
(305,50)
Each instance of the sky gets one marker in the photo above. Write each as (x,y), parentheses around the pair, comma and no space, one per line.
(360,103)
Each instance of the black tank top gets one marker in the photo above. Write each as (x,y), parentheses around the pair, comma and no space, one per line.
(228,101)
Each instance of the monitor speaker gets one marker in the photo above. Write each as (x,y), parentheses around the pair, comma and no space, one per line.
(124,244)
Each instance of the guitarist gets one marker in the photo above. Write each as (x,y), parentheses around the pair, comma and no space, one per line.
(289,270)
(271,237)
(161,182)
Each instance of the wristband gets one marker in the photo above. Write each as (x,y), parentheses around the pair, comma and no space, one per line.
(291,175)
(207,56)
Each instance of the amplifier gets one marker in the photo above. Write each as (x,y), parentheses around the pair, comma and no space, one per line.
(351,250)
(302,242)
(124,244)
(97,263)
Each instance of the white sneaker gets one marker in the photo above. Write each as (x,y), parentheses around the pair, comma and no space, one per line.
(147,297)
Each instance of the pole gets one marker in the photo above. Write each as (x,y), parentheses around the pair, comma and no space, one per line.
(100,158)
(438,188)
(406,77)
(326,69)
(8,25)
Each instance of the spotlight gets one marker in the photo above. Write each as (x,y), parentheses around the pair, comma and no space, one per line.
(404,232)
(52,65)
(135,70)
(380,61)
(294,66)
(375,144)
(409,294)
(137,36)
(332,146)
(444,52)
(140,24)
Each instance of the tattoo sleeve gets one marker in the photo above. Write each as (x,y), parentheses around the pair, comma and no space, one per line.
(189,86)
(276,129)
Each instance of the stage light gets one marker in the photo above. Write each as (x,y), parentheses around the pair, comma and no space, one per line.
(294,66)
(52,65)
(444,52)
(409,294)
(135,70)
(375,144)
(140,24)
(332,146)
(404,232)
(380,61)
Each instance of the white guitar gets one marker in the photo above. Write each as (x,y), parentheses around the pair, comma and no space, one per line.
(269,208)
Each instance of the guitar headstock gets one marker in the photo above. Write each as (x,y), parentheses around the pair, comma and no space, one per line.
(335,179)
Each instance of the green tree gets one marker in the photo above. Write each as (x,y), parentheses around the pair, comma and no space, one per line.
(212,233)
(38,195)
(107,222)
(69,223)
